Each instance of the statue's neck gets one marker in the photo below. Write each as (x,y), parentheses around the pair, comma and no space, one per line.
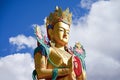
(61,47)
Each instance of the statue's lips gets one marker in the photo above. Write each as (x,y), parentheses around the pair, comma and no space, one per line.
(65,37)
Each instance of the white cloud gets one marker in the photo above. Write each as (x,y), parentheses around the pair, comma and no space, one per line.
(16,67)
(102,67)
(99,33)
(23,41)
(87,3)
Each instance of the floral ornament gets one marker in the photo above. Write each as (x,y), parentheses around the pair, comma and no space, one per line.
(79,51)
(42,39)
(38,32)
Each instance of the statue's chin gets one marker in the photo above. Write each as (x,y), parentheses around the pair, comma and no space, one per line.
(64,43)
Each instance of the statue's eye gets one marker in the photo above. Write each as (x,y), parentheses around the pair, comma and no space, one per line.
(67,32)
(61,30)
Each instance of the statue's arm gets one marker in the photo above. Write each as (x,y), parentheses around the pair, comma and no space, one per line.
(41,69)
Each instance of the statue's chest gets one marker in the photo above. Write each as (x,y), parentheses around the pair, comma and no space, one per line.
(59,57)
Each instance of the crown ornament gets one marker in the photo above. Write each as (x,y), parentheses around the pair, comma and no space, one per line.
(59,16)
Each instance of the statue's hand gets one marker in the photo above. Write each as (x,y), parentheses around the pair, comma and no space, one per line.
(70,63)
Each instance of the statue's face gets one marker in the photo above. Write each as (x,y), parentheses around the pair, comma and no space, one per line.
(61,33)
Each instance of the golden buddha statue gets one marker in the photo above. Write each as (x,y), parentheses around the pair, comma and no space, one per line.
(53,59)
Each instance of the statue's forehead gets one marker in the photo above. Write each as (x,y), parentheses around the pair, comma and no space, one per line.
(62,25)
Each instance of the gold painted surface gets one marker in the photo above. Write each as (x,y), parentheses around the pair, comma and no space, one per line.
(59,16)
(58,36)
(60,57)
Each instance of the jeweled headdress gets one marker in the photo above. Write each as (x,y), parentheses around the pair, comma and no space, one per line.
(59,16)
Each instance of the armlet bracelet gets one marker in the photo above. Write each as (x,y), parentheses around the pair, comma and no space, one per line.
(54,73)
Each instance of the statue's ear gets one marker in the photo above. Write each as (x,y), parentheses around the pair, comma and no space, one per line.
(50,33)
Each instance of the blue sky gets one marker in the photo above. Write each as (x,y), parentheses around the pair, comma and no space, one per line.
(17,17)
(96,25)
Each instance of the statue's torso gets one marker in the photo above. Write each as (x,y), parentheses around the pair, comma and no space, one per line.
(60,58)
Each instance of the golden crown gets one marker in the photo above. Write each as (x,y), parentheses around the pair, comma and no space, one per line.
(59,16)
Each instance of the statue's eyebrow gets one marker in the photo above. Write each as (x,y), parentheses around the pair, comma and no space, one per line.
(64,29)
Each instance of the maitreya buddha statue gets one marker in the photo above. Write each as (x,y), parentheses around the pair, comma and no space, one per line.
(53,59)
